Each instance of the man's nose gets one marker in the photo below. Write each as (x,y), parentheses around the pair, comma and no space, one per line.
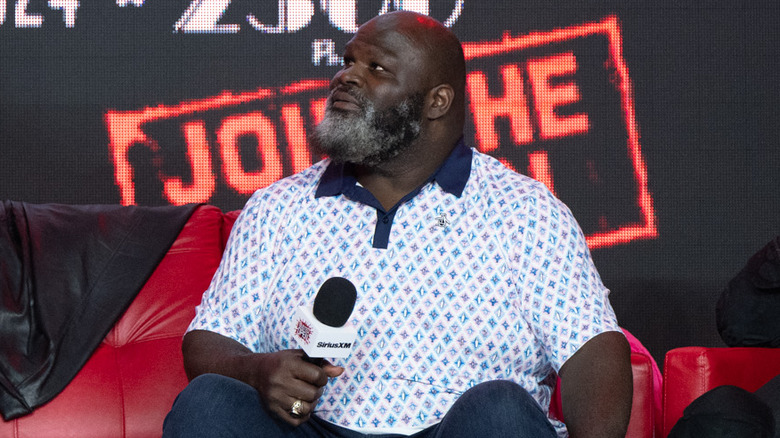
(349,75)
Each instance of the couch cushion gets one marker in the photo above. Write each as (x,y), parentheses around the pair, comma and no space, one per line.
(689,372)
(129,383)
(166,304)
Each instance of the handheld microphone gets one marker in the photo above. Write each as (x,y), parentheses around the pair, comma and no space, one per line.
(323,331)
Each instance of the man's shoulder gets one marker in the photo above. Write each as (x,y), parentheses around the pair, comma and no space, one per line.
(506,192)
(498,176)
(302,182)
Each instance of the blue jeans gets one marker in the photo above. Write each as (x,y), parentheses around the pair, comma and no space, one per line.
(215,406)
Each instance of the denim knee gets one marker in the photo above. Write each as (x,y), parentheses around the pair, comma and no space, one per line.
(495,408)
(213,405)
(503,393)
(218,390)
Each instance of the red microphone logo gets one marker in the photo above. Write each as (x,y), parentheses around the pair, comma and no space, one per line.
(303,331)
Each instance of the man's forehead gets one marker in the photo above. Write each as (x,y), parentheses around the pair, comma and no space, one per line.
(385,46)
(385,40)
(387,36)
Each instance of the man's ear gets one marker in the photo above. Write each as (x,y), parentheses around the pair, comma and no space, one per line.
(439,100)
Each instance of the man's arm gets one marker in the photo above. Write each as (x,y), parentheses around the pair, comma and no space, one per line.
(280,377)
(597,387)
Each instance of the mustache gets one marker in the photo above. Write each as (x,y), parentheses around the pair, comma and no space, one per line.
(355,96)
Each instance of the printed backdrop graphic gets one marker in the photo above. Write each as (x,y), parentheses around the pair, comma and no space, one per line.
(261,136)
(655,122)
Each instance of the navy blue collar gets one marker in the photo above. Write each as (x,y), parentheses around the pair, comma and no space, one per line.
(452,176)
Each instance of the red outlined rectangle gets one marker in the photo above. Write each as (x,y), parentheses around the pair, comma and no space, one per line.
(610,28)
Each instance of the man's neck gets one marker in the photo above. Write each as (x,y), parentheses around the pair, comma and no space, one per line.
(390,181)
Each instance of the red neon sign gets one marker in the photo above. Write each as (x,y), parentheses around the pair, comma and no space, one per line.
(551,124)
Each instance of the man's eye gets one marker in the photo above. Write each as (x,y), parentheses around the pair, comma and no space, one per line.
(377,67)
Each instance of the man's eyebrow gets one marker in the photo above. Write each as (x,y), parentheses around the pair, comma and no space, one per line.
(375,50)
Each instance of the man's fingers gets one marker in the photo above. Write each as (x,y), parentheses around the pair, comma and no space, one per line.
(295,386)
(331,370)
(298,409)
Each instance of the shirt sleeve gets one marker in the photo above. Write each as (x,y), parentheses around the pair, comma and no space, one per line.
(220,308)
(563,298)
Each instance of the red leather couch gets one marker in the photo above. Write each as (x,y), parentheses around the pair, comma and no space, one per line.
(129,384)
(689,372)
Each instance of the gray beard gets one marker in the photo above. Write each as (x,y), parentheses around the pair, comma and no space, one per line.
(372,136)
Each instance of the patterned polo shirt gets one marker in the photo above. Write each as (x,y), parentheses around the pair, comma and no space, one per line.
(480,274)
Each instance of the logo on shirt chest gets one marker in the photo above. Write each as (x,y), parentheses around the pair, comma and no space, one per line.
(441,220)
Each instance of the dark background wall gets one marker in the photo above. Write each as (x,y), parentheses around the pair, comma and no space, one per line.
(680,98)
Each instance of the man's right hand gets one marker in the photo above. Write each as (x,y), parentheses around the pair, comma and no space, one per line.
(281,378)
(284,377)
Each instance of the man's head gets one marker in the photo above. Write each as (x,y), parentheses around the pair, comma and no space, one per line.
(403,79)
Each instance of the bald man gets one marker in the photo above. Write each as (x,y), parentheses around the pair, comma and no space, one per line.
(475,285)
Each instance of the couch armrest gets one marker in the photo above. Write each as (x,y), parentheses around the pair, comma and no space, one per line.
(689,372)
(642,421)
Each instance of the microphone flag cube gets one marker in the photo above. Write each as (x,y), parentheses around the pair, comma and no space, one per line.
(321,340)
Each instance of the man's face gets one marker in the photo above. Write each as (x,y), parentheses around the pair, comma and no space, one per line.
(375,108)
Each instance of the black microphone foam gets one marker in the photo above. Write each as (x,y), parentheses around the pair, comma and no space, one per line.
(334,301)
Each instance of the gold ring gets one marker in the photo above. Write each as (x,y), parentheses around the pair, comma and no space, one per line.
(295,410)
